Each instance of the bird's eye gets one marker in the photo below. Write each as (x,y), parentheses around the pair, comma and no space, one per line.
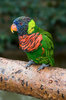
(20,23)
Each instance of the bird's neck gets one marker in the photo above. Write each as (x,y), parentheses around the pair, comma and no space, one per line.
(36,29)
(24,31)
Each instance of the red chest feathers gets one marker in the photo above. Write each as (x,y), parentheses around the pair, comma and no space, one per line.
(30,42)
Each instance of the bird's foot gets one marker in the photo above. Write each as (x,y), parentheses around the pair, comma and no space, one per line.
(43,66)
(30,63)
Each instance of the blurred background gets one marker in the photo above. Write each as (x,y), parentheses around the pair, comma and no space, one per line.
(48,14)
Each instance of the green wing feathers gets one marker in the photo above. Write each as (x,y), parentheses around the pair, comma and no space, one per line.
(45,33)
(48,45)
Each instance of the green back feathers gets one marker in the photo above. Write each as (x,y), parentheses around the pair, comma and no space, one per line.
(45,33)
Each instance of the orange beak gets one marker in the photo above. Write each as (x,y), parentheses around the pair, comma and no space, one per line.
(13,28)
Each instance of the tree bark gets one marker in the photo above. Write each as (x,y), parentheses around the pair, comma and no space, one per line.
(47,84)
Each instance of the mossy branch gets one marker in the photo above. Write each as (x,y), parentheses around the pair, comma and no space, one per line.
(47,84)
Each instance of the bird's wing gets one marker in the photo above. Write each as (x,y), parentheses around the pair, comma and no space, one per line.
(47,43)
(43,32)
(48,46)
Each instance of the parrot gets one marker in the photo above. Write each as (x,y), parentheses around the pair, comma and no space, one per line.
(34,41)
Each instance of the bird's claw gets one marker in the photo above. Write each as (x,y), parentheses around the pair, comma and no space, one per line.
(29,64)
(42,66)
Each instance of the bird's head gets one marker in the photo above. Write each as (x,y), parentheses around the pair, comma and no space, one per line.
(23,25)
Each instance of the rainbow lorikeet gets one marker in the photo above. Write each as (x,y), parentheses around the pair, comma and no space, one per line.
(36,42)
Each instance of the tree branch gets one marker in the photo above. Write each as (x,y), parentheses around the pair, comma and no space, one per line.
(47,84)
